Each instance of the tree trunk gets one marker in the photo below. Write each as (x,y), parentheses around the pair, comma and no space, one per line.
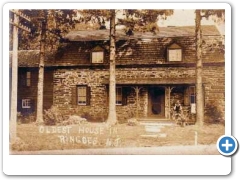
(13,118)
(112,115)
(199,69)
(39,119)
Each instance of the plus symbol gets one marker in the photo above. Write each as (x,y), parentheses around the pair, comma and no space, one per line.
(227,145)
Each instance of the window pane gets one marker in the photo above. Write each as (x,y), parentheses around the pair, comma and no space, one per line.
(28,74)
(81,98)
(97,57)
(28,79)
(81,91)
(175,55)
(119,95)
(26,103)
(82,95)
(192,95)
(193,99)
(28,82)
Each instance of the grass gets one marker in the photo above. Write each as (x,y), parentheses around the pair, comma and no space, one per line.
(97,135)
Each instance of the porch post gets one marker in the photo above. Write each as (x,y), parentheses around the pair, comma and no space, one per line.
(168,101)
(137,90)
(137,94)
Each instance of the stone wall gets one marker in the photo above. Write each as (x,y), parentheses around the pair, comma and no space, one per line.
(215,88)
(97,79)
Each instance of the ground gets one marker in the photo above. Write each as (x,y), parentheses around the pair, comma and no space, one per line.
(99,136)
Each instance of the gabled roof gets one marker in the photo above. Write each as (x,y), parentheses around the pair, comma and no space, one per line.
(177,31)
(30,58)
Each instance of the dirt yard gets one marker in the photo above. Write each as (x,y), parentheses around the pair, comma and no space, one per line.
(97,135)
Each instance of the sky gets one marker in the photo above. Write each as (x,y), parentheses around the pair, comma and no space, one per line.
(183,17)
(186,17)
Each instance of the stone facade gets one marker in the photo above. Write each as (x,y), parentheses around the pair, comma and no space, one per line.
(66,79)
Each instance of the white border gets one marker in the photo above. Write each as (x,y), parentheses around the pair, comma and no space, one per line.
(114,165)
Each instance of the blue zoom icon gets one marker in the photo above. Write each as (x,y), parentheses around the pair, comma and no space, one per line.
(227,145)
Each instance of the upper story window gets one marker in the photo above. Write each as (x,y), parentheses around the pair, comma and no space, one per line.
(97,55)
(28,78)
(174,53)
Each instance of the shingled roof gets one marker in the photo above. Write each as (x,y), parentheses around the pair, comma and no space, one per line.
(176,31)
(30,58)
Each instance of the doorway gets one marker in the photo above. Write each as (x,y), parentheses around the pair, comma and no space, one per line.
(156,105)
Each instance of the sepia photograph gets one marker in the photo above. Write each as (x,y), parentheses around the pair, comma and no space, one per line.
(116,81)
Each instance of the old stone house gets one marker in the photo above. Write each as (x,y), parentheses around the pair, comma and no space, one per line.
(153,71)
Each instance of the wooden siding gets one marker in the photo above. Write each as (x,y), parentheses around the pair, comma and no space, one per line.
(141,52)
(30,92)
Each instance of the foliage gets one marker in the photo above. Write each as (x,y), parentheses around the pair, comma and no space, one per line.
(53,116)
(132,122)
(213,114)
(25,119)
(59,23)
(218,15)
(74,119)
(18,145)
(131,19)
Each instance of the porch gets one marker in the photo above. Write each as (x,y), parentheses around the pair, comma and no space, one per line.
(155,102)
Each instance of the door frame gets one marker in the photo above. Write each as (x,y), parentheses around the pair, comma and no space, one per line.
(162,97)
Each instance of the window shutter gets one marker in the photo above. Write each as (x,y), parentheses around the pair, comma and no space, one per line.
(74,96)
(124,96)
(32,104)
(186,97)
(204,95)
(88,95)
(19,105)
(107,96)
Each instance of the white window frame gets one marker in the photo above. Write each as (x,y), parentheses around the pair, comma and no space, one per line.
(79,95)
(192,104)
(176,57)
(96,59)
(26,103)
(119,95)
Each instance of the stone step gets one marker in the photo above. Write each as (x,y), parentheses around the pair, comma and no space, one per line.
(156,122)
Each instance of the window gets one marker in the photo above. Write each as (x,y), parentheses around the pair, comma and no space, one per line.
(192,94)
(192,99)
(28,78)
(174,53)
(82,95)
(97,57)
(26,103)
(118,95)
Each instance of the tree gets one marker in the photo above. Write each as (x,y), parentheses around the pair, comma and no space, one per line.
(112,114)
(133,20)
(218,14)
(53,25)
(39,116)
(199,69)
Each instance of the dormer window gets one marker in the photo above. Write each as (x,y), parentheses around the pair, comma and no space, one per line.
(174,53)
(97,55)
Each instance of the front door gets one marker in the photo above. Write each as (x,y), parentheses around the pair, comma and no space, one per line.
(156,103)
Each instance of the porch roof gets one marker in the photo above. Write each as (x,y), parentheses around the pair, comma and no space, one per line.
(155,81)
